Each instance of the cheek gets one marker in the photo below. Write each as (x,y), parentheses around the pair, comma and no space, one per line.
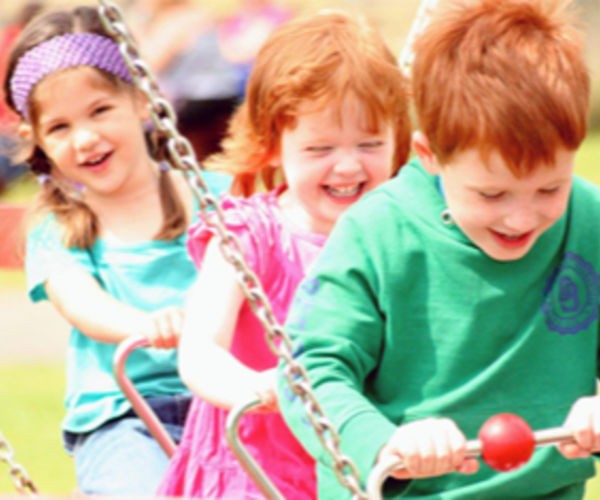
(380,166)
(51,150)
(473,214)
(554,209)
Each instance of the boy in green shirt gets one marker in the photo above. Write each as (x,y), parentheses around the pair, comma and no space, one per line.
(468,285)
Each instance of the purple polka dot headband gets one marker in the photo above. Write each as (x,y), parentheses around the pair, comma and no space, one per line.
(62,52)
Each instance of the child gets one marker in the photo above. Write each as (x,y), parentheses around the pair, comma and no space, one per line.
(107,247)
(325,121)
(467,286)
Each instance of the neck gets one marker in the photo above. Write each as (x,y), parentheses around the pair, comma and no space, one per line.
(133,213)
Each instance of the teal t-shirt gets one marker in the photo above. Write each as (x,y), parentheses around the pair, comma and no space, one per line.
(402,317)
(148,275)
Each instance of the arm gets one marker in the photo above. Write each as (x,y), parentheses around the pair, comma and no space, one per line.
(65,277)
(205,363)
(337,333)
(340,335)
(80,299)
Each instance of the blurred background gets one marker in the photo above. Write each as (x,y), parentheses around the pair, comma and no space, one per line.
(201,52)
(393,17)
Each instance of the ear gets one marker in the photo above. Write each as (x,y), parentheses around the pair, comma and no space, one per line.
(420,145)
(142,104)
(25,131)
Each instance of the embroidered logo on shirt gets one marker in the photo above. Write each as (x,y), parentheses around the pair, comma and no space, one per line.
(571,302)
(303,303)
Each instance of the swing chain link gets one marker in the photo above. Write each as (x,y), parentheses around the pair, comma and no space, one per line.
(183,158)
(421,21)
(18,474)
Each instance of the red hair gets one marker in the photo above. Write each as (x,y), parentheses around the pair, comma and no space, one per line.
(320,59)
(505,75)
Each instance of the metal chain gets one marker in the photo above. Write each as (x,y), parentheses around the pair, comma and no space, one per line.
(18,474)
(182,157)
(419,24)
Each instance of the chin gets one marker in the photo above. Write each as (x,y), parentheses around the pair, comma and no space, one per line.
(506,255)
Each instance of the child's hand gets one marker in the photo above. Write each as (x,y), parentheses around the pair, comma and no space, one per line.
(584,421)
(429,447)
(265,391)
(163,327)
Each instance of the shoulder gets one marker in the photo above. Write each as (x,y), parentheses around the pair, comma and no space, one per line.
(585,190)
(257,211)
(584,206)
(584,203)
(254,221)
(216,182)
(411,194)
(43,227)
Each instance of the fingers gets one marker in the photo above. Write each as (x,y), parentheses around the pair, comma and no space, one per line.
(429,447)
(166,328)
(584,423)
(268,400)
(265,391)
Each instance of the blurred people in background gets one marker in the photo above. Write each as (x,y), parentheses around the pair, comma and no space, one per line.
(9,170)
(242,34)
(178,39)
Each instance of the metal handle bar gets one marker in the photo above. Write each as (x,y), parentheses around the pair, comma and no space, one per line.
(381,471)
(139,404)
(239,450)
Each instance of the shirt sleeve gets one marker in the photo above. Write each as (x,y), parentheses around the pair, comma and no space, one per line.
(337,333)
(249,220)
(46,254)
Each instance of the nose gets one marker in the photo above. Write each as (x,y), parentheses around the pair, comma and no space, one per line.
(84,138)
(521,219)
(347,164)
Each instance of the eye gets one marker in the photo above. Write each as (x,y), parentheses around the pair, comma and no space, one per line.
(318,149)
(371,144)
(550,191)
(101,109)
(55,128)
(491,195)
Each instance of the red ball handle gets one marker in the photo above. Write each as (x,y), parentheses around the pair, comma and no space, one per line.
(507,442)
(494,435)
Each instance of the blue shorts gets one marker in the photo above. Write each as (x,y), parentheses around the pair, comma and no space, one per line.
(121,457)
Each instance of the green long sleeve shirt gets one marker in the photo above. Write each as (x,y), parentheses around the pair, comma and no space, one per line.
(403,317)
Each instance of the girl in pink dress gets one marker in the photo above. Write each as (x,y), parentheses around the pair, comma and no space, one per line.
(325,121)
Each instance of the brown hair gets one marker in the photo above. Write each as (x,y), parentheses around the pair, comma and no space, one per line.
(78,222)
(320,59)
(504,75)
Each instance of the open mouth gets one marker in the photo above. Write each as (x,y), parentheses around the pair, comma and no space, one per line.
(512,240)
(344,192)
(96,161)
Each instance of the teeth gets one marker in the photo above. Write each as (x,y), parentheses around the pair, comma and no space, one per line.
(95,161)
(512,236)
(344,191)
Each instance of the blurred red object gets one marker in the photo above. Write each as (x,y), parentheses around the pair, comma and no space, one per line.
(12,236)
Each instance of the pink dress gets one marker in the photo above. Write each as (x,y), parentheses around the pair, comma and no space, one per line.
(203,465)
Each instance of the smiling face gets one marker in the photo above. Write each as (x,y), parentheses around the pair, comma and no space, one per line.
(91,130)
(330,159)
(502,214)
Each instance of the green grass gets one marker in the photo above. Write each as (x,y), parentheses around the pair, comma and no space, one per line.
(30,413)
(12,279)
